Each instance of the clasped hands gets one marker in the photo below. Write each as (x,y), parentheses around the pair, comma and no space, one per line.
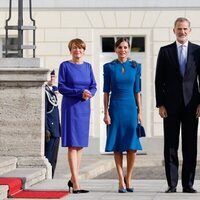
(86,95)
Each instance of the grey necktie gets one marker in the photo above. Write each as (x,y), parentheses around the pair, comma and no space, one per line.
(182,59)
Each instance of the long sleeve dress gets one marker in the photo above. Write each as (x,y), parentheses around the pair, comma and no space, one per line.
(73,79)
(123,81)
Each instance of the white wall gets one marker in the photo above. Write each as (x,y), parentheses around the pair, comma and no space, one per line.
(69,4)
(56,27)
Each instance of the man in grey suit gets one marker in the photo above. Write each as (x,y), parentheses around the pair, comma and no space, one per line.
(178,100)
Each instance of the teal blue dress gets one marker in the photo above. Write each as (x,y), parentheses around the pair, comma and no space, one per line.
(123,82)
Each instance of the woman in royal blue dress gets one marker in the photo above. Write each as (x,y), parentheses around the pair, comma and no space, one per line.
(122,110)
(77,84)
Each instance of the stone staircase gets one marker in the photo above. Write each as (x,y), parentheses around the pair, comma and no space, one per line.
(7,164)
(3,191)
(30,176)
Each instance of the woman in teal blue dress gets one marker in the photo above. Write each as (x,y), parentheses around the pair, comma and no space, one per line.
(122,110)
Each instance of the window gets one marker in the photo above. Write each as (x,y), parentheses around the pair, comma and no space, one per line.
(137,43)
(11,41)
(108,44)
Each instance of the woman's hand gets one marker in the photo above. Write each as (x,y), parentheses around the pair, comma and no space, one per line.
(107,119)
(86,94)
(140,117)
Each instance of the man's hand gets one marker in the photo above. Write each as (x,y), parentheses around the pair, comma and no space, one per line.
(162,111)
(198,111)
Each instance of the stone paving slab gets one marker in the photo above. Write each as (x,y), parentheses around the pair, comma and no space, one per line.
(107,190)
(94,164)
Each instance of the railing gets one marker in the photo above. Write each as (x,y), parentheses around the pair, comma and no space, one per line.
(20,28)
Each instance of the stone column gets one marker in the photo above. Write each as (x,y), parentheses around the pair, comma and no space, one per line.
(22,111)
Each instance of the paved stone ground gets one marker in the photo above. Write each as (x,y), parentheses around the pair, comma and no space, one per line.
(107,190)
(148,166)
(145,173)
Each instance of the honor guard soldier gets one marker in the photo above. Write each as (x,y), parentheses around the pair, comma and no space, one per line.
(52,122)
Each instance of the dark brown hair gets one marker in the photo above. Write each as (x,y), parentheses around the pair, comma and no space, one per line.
(120,40)
(78,42)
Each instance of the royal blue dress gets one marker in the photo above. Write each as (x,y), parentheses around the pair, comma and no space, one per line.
(123,81)
(73,79)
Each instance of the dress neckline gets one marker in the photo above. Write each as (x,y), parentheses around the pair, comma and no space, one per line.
(75,63)
(122,62)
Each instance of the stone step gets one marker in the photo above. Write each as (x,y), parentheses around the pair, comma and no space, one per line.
(3,192)
(30,176)
(7,164)
(51,184)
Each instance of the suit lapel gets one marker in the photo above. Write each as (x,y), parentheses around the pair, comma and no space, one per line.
(189,58)
(174,57)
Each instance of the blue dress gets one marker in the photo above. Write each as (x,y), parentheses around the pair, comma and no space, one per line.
(73,79)
(123,81)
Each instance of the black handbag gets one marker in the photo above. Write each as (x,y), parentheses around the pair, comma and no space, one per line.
(140,131)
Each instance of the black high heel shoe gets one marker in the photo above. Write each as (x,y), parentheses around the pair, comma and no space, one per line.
(128,189)
(80,191)
(70,185)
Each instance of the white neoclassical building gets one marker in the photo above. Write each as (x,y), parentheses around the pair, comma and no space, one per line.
(148,25)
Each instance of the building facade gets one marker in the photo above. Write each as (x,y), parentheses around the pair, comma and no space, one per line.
(148,24)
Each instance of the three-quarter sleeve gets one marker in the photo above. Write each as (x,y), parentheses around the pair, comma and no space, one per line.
(62,86)
(137,85)
(107,79)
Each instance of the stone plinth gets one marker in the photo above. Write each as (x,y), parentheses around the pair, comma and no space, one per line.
(22,111)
